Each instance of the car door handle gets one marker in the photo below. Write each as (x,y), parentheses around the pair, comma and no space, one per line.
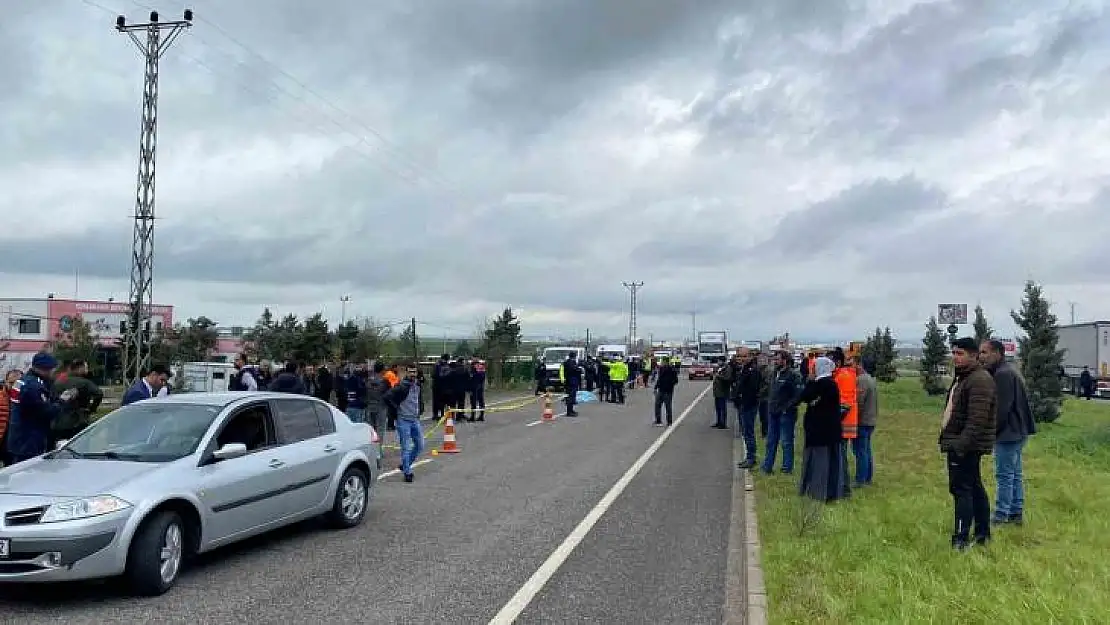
(275,463)
(330,448)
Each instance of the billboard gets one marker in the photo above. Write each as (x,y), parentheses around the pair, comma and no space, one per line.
(948,314)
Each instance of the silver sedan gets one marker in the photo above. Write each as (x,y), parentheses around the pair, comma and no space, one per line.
(153,483)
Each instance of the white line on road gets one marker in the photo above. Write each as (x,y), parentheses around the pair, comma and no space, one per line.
(398,471)
(547,570)
(539,421)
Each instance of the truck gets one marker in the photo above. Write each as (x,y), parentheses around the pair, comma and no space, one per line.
(552,359)
(610,352)
(1086,345)
(205,377)
(712,347)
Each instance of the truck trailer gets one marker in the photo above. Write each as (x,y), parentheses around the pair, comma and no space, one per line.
(1086,345)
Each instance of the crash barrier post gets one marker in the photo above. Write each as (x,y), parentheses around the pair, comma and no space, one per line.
(449,446)
(548,410)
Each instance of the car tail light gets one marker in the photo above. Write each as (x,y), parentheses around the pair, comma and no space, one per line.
(374,438)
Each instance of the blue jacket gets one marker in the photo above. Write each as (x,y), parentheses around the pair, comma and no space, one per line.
(138,392)
(32,412)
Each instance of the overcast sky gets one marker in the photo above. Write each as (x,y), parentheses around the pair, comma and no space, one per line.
(818,167)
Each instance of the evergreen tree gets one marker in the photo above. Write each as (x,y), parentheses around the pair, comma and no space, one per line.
(373,342)
(885,369)
(501,340)
(79,342)
(195,341)
(1038,351)
(313,345)
(873,346)
(345,341)
(983,331)
(463,349)
(933,357)
(260,340)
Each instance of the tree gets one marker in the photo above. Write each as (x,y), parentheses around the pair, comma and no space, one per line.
(312,343)
(983,331)
(885,369)
(873,346)
(373,341)
(287,338)
(501,340)
(408,343)
(463,349)
(260,340)
(345,340)
(77,343)
(933,357)
(196,340)
(1041,360)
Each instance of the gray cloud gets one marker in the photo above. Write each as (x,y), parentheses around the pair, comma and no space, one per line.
(729,154)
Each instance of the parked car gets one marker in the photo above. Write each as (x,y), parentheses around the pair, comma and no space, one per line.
(153,483)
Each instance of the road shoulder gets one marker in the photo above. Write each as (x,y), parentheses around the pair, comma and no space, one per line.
(746,595)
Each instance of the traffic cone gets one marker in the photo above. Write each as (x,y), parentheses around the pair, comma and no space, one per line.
(548,411)
(449,445)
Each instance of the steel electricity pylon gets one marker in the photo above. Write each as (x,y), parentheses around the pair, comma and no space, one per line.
(159,37)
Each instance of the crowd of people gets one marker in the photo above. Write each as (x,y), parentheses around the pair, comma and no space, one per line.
(987,411)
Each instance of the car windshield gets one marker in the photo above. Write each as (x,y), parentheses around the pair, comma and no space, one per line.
(556,356)
(150,431)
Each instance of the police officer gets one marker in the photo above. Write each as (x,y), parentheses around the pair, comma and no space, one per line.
(477,390)
(570,374)
(33,409)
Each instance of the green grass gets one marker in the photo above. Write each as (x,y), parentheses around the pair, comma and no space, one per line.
(883,556)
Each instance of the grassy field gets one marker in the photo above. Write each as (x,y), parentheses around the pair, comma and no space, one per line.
(883,556)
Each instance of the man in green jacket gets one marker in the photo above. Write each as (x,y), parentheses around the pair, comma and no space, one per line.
(77,414)
(722,386)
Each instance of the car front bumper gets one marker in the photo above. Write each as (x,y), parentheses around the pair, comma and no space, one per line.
(72,550)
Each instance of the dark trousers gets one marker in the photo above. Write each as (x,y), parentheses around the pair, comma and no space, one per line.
(972,508)
(664,399)
(604,389)
(572,398)
(764,412)
(478,402)
(720,404)
(618,392)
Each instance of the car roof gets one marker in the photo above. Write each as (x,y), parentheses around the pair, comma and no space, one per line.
(227,398)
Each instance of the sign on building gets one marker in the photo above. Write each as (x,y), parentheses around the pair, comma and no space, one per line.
(948,314)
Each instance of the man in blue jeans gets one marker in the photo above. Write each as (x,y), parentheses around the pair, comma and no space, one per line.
(867,401)
(1014,425)
(406,397)
(782,404)
(745,394)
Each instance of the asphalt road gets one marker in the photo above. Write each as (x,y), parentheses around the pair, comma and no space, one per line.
(457,544)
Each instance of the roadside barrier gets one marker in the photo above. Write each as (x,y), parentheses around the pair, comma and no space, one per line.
(501,406)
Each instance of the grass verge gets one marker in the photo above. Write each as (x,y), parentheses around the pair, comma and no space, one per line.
(883,556)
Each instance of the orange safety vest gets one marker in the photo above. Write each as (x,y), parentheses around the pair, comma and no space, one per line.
(845,378)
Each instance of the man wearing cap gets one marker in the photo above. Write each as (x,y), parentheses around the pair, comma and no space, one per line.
(33,410)
(148,386)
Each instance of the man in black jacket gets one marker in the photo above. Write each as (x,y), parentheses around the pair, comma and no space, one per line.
(745,394)
(1014,425)
(664,394)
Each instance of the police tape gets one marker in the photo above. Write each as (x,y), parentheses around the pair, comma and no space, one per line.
(498,406)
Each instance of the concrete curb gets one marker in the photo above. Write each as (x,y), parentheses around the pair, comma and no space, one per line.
(745,594)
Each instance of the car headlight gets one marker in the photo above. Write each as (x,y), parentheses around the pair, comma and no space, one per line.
(84,508)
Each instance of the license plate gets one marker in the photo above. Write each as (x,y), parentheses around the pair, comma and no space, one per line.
(5,547)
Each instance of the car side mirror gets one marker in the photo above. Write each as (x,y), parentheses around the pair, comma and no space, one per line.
(229,451)
(61,443)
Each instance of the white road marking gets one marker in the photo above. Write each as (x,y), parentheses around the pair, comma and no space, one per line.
(547,570)
(528,425)
(398,471)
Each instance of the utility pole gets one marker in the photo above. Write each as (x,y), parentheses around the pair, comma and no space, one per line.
(1072,305)
(587,340)
(633,288)
(343,300)
(694,326)
(136,344)
(415,345)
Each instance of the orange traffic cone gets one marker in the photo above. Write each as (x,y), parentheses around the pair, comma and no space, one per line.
(548,411)
(449,445)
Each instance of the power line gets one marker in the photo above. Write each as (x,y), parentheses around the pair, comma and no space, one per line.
(136,348)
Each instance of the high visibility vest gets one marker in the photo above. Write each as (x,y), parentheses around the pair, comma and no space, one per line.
(845,378)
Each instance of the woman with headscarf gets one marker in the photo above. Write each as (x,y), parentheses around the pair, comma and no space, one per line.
(822,474)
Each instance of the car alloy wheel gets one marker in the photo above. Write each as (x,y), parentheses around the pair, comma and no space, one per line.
(171,553)
(354,496)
